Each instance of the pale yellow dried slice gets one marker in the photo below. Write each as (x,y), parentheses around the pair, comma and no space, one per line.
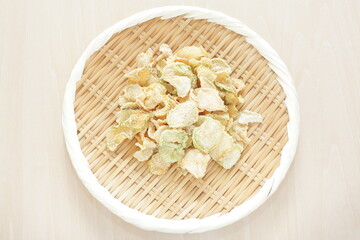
(209,99)
(144,59)
(183,115)
(220,65)
(249,117)
(195,162)
(207,135)
(191,52)
(206,77)
(139,76)
(146,150)
(157,166)
(151,96)
(180,76)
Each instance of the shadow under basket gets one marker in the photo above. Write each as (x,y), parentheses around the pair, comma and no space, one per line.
(173,195)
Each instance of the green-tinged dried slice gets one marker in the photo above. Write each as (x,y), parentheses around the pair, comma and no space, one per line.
(185,70)
(144,59)
(208,134)
(183,115)
(209,99)
(195,162)
(176,136)
(116,135)
(219,65)
(139,76)
(174,74)
(206,77)
(230,157)
(158,166)
(171,152)
(191,52)
(151,96)
(146,150)
(172,144)
(249,117)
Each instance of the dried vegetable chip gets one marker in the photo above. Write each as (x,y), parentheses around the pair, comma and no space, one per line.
(182,108)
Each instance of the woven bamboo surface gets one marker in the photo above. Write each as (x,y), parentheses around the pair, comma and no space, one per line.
(174,196)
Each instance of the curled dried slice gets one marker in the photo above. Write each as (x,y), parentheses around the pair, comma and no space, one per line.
(166,104)
(226,143)
(139,76)
(180,76)
(233,98)
(191,52)
(209,99)
(123,115)
(172,144)
(249,117)
(158,132)
(116,135)
(238,84)
(144,59)
(151,96)
(146,150)
(219,65)
(206,77)
(127,128)
(223,117)
(227,153)
(207,135)
(157,166)
(223,82)
(137,121)
(230,157)
(151,130)
(233,111)
(239,132)
(206,62)
(158,122)
(132,91)
(183,115)
(165,52)
(195,162)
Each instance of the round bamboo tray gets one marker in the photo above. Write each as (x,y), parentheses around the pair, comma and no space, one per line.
(173,202)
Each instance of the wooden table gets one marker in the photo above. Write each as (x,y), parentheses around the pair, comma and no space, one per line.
(41,196)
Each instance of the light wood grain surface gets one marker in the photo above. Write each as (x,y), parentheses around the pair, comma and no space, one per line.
(40,194)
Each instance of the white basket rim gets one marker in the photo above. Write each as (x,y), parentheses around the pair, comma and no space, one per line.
(212,222)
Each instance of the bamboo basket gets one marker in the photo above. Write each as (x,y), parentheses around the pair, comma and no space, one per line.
(173,202)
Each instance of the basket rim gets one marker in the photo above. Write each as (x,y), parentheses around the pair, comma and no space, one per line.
(212,222)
